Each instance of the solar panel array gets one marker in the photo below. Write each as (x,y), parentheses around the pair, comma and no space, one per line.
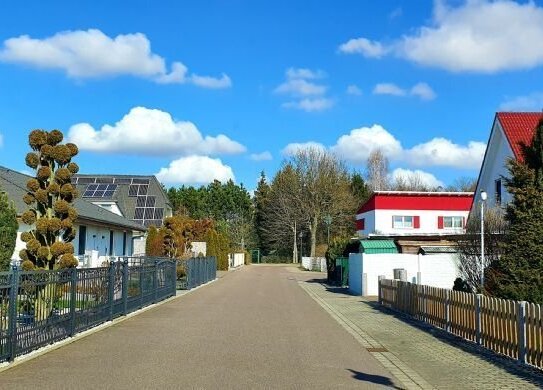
(104,187)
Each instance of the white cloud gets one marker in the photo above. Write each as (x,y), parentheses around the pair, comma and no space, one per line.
(310,105)
(354,90)
(389,89)
(92,54)
(477,36)
(441,151)
(359,143)
(195,170)
(300,87)
(304,73)
(264,156)
(531,102)
(151,132)
(367,48)
(421,90)
(414,176)
(293,148)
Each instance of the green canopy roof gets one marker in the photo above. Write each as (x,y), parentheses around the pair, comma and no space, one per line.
(378,246)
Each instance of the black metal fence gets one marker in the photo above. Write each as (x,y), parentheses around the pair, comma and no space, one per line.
(41,307)
(197,271)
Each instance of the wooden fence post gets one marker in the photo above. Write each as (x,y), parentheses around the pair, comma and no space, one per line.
(478,333)
(447,311)
(522,356)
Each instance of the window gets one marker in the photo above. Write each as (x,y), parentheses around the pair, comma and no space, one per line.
(82,240)
(360,224)
(498,192)
(124,243)
(111,242)
(453,222)
(402,222)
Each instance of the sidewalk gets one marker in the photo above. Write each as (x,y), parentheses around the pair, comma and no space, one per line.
(420,357)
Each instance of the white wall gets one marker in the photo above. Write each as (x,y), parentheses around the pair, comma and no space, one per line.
(494,167)
(380,221)
(236,259)
(314,263)
(435,270)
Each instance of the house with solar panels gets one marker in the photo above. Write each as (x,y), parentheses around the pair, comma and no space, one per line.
(138,198)
(101,233)
(510,131)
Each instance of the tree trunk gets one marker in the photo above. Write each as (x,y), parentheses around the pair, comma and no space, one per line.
(313,229)
(295,246)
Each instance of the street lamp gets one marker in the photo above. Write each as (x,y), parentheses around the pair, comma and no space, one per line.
(328,221)
(301,235)
(483,199)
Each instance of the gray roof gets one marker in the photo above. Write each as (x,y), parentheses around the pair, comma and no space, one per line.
(140,198)
(14,183)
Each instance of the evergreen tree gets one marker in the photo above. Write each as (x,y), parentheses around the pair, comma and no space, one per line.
(360,189)
(8,231)
(260,201)
(518,274)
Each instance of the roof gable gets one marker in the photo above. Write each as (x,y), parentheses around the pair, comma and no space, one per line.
(519,128)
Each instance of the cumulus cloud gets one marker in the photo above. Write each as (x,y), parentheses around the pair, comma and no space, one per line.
(293,148)
(300,85)
(477,36)
(421,90)
(93,54)
(195,170)
(151,132)
(531,102)
(309,105)
(264,156)
(441,151)
(359,143)
(354,90)
(364,46)
(415,177)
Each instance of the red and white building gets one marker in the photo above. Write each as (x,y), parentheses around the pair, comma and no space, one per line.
(413,213)
(509,131)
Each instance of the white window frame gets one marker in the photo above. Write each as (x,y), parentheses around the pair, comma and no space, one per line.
(403,222)
(453,222)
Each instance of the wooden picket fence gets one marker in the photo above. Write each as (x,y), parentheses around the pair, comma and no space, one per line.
(511,328)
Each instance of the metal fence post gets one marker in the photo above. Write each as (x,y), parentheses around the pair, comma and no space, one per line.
(522,356)
(155,283)
(73,297)
(124,287)
(12,313)
(110,289)
(478,333)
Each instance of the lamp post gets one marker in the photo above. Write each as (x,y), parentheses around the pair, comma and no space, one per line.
(328,221)
(301,235)
(483,200)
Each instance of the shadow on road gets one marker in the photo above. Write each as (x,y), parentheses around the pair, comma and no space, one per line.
(377,379)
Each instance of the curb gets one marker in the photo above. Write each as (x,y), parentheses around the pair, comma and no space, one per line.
(59,344)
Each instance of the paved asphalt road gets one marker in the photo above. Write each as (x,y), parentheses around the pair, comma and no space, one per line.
(253,328)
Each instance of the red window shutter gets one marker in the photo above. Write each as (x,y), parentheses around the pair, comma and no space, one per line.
(416,222)
(440,222)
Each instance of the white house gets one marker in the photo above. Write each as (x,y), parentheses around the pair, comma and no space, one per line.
(100,233)
(509,131)
(399,213)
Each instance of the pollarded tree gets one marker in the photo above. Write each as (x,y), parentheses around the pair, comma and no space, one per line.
(50,197)
(518,273)
(8,231)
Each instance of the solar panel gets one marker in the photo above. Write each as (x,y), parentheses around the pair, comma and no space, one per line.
(140,202)
(99,190)
(133,190)
(140,181)
(108,194)
(85,180)
(149,213)
(139,213)
(122,181)
(88,194)
(159,213)
(143,190)
(107,180)
(150,201)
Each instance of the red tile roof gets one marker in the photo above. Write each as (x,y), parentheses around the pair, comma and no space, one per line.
(519,128)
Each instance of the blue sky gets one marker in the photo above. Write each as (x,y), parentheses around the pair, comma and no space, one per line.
(220,89)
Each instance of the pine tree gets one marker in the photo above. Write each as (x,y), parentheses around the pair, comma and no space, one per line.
(8,231)
(260,201)
(518,274)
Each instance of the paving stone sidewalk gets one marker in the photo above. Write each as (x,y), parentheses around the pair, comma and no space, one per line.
(419,356)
